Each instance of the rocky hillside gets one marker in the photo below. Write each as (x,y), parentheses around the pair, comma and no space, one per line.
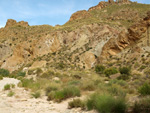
(105,49)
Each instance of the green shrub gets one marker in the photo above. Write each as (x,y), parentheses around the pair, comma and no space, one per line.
(20,73)
(119,82)
(99,69)
(50,88)
(47,74)
(10,94)
(116,91)
(123,77)
(36,94)
(76,103)
(1,77)
(142,106)
(88,86)
(74,82)
(106,104)
(64,94)
(124,70)
(4,72)
(110,71)
(7,87)
(144,89)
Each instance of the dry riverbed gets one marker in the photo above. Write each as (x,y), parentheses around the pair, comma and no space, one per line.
(22,102)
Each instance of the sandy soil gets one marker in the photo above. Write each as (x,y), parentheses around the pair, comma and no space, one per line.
(22,102)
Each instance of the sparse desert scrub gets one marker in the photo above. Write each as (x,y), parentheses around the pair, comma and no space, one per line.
(20,73)
(36,94)
(125,70)
(1,77)
(144,89)
(52,87)
(88,85)
(142,106)
(110,71)
(76,103)
(99,69)
(7,87)
(4,72)
(10,94)
(105,103)
(67,92)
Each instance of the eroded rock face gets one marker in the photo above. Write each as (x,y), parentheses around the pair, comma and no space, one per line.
(80,15)
(11,23)
(135,33)
(99,6)
(88,58)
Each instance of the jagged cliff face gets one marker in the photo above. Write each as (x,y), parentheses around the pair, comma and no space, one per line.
(83,47)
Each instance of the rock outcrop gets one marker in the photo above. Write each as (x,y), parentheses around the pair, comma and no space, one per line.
(11,23)
(99,6)
(80,15)
(135,33)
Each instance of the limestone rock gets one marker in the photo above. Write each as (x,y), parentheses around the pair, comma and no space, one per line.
(89,59)
(38,64)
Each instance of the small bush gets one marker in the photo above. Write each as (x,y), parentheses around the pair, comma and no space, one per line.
(123,77)
(50,88)
(110,71)
(36,94)
(144,89)
(99,69)
(76,103)
(117,91)
(106,104)
(88,86)
(10,94)
(7,87)
(1,77)
(23,74)
(142,106)
(124,70)
(64,94)
(4,72)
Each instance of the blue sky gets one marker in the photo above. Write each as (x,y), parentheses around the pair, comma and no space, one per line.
(38,12)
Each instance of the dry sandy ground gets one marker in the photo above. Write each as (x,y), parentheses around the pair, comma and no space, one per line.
(22,102)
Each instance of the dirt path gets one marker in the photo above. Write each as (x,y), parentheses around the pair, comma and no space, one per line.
(22,102)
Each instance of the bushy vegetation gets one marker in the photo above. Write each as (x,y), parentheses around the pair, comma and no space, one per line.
(142,106)
(20,73)
(76,103)
(7,87)
(51,88)
(144,89)
(36,94)
(63,94)
(10,94)
(99,69)
(124,70)
(106,104)
(4,72)
(110,71)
